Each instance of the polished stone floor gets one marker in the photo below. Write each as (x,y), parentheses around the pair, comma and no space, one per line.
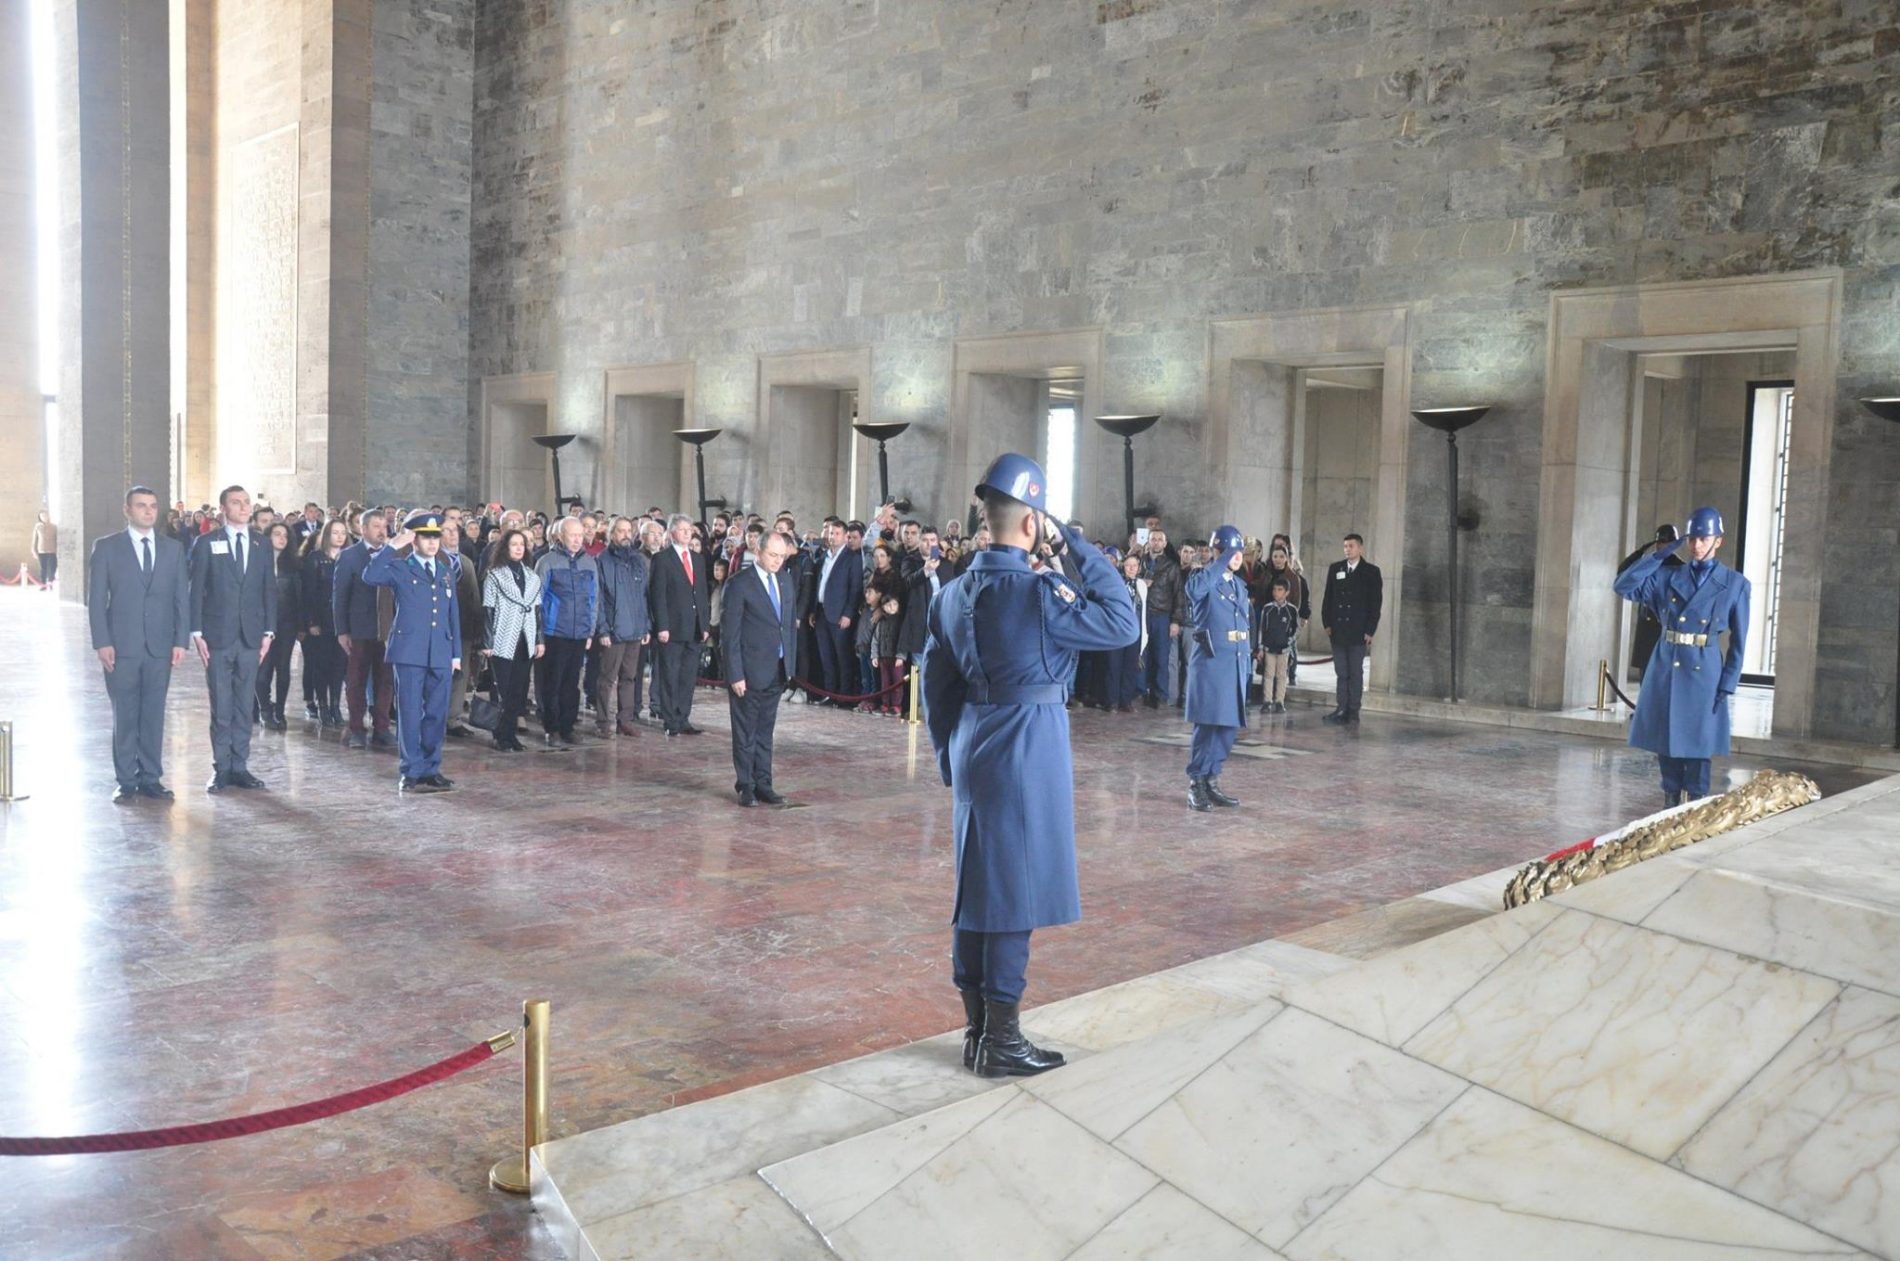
(219,956)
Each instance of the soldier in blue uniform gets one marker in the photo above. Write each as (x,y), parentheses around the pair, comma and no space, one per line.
(425,645)
(1003,639)
(1682,712)
(1218,664)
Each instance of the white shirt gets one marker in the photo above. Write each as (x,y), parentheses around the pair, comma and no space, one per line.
(824,571)
(231,533)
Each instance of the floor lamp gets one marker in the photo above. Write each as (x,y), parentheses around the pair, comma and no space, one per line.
(1448,421)
(553,442)
(881,432)
(697,439)
(1125,428)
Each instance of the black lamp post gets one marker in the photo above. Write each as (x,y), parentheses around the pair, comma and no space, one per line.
(1448,421)
(881,432)
(698,438)
(553,442)
(1889,409)
(1125,428)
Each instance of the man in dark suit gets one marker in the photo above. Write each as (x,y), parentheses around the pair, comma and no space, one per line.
(233,620)
(680,595)
(359,633)
(837,593)
(139,603)
(759,634)
(1355,593)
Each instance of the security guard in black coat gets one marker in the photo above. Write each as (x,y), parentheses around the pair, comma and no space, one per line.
(1355,594)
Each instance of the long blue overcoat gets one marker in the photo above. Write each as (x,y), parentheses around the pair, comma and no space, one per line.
(1218,664)
(1682,710)
(1002,646)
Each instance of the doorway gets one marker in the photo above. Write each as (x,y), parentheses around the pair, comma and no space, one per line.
(812,463)
(515,410)
(645,466)
(1034,393)
(1338,460)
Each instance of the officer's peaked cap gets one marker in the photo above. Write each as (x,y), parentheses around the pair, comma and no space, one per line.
(424,523)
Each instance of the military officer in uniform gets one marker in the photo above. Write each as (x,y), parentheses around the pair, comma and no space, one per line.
(1003,639)
(1219,662)
(1682,712)
(425,645)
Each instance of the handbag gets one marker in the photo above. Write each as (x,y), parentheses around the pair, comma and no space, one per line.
(483,713)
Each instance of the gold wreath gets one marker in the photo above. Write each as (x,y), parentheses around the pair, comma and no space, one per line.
(1769,792)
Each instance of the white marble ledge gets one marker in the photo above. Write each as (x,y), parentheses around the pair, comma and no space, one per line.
(1631,1034)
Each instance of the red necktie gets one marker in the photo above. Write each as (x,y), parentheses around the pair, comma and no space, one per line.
(686,559)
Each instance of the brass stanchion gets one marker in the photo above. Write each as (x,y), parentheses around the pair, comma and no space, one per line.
(511,1175)
(7,792)
(1603,684)
(916,697)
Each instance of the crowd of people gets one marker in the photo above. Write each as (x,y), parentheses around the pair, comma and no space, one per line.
(599,620)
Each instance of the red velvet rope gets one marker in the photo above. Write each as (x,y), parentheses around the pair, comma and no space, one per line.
(256,1123)
(23,577)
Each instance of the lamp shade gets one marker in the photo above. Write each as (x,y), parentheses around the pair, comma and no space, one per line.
(880,430)
(1885,408)
(697,437)
(1127,426)
(553,441)
(1450,419)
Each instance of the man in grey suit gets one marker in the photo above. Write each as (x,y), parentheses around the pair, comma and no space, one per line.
(139,605)
(233,619)
(759,635)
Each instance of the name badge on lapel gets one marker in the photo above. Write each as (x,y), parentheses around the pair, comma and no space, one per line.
(220,549)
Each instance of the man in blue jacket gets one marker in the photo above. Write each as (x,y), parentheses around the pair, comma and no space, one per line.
(1002,647)
(425,645)
(1682,712)
(368,685)
(1218,611)
(625,627)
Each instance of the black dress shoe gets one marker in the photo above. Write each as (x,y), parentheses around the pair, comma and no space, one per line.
(552,741)
(242,779)
(356,740)
(567,739)
(688,729)
(767,797)
(382,740)
(1214,794)
(409,785)
(1197,794)
(458,731)
(747,797)
(1151,701)
(215,784)
(1003,1051)
(124,796)
(1338,715)
(439,780)
(311,711)
(156,791)
(1351,717)
(505,745)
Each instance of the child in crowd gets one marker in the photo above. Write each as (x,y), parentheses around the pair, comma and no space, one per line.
(1279,623)
(885,658)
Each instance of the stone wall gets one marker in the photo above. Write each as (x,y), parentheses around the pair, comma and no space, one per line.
(22,428)
(716,180)
(423,67)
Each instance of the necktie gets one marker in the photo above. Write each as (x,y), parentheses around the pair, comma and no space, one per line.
(686,559)
(429,566)
(239,540)
(778,611)
(147,545)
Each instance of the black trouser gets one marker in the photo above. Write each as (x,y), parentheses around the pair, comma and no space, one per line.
(754,719)
(675,665)
(511,690)
(273,677)
(561,668)
(837,658)
(324,664)
(1349,668)
(49,566)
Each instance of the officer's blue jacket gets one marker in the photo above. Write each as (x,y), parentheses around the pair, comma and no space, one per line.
(1002,646)
(427,630)
(1218,610)
(1682,710)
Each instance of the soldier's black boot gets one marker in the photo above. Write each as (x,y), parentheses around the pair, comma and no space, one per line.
(1215,795)
(1197,794)
(1003,1051)
(972,1025)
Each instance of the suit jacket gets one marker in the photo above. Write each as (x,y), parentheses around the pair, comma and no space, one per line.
(353,601)
(1352,603)
(842,594)
(752,635)
(130,613)
(682,610)
(228,606)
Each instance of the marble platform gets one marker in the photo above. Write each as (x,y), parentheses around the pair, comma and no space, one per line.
(1697,1058)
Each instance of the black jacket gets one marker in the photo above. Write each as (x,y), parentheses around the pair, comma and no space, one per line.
(683,610)
(1164,587)
(751,635)
(229,607)
(131,614)
(1350,608)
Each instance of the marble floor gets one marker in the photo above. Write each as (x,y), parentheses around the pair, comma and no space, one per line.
(162,964)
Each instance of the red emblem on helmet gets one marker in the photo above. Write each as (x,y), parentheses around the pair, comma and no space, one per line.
(1034,489)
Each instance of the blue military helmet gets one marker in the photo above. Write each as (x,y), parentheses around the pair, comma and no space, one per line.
(1019,477)
(1705,523)
(1227,539)
(423,523)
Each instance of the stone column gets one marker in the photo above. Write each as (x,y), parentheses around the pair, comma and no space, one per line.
(22,456)
(115,356)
